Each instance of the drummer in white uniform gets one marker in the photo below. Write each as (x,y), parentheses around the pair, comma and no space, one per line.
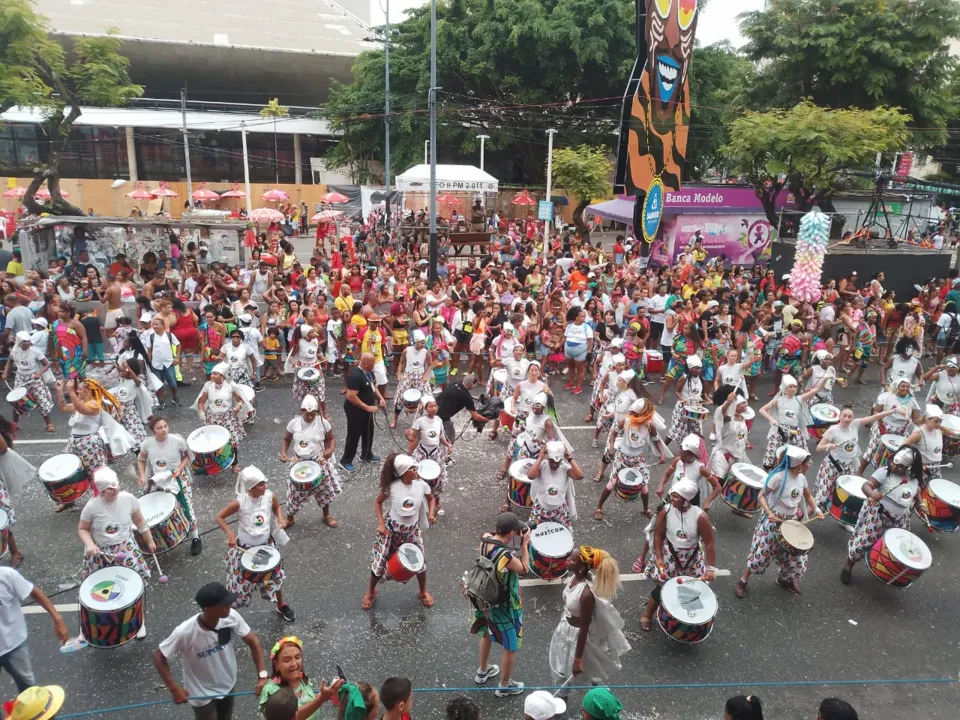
(945,387)
(689,392)
(821,367)
(731,431)
(311,437)
(29,365)
(618,379)
(603,365)
(897,423)
(784,490)
(538,430)
(927,437)
(220,403)
(258,521)
(688,465)
(428,441)
(627,392)
(305,353)
(514,371)
(524,394)
(551,487)
(412,372)
(903,364)
(891,492)
(788,423)
(605,390)
(677,531)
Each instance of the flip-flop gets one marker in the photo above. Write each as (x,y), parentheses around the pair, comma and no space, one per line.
(646,623)
(426,599)
(598,514)
(368,601)
(330,521)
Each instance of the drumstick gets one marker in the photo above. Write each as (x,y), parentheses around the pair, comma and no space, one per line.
(163,579)
(812,519)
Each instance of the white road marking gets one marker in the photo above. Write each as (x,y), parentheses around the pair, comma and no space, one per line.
(578,427)
(45,441)
(533,582)
(37,610)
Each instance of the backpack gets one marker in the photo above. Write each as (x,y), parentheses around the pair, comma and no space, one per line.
(953,330)
(481,584)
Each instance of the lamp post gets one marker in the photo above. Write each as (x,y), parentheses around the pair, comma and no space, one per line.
(433,141)
(386,117)
(482,139)
(550,133)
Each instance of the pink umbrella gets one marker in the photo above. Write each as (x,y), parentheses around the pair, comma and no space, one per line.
(266,215)
(16,192)
(234,192)
(44,194)
(326,215)
(141,194)
(164,191)
(274,196)
(203,194)
(524,198)
(334,197)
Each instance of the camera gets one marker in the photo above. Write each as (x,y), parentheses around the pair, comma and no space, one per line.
(529,526)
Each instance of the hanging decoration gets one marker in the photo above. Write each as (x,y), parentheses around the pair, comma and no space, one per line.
(805,279)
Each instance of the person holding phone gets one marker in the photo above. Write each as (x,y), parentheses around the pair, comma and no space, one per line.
(286,657)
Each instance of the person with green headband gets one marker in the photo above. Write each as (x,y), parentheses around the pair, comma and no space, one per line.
(358,701)
(286,658)
(601,704)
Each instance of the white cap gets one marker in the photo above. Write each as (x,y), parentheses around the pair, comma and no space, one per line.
(694,361)
(785,276)
(618,358)
(403,463)
(105,479)
(418,336)
(691,443)
(556,450)
(713,303)
(245,318)
(541,705)
(686,488)
(146,316)
(23,336)
(617,342)
(309,403)
(952,362)
(221,369)
(627,376)
(931,411)
(42,322)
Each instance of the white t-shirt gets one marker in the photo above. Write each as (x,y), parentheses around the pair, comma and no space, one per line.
(550,489)
(14,589)
(429,429)
(578,333)
(897,495)
(308,438)
(785,502)
(904,408)
(28,361)
(847,439)
(667,336)
(209,669)
(165,456)
(110,523)
(406,500)
(162,349)
(656,306)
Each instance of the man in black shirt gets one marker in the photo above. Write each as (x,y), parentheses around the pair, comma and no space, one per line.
(471,271)
(454,399)
(363,400)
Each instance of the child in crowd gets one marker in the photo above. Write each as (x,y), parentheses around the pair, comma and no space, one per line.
(120,335)
(91,324)
(271,354)
(396,694)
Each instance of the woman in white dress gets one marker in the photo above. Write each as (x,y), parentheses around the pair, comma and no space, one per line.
(788,415)
(240,359)
(428,441)
(589,638)
(220,403)
(412,372)
(945,385)
(30,364)
(311,437)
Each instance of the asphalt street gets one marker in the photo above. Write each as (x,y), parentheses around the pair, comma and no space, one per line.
(835,633)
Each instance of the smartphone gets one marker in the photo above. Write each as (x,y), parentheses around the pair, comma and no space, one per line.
(340,673)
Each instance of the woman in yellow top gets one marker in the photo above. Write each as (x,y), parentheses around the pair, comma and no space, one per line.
(15,266)
(344,301)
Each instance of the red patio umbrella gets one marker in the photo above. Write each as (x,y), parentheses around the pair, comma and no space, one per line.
(448,199)
(140,193)
(266,215)
(44,194)
(326,215)
(524,198)
(203,194)
(334,197)
(162,190)
(275,196)
(234,192)
(15,192)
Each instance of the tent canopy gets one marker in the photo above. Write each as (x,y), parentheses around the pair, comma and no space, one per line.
(450,178)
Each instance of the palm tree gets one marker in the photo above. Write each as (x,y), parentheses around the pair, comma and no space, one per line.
(273,109)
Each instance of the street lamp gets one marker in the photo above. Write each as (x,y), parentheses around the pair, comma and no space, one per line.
(550,133)
(482,139)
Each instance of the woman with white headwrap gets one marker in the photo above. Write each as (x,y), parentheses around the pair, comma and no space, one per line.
(690,465)
(821,367)
(311,437)
(689,392)
(627,390)
(411,506)
(220,403)
(412,372)
(788,416)
(258,521)
(945,385)
(538,429)
(30,364)
(676,533)
(903,363)
(106,527)
(731,431)
(891,492)
(428,441)
(785,488)
(241,360)
(614,381)
(603,365)
(305,353)
(927,437)
(907,412)
(135,400)
(551,487)
(516,368)
(525,392)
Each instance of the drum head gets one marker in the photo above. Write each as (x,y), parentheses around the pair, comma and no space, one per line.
(519,468)
(552,540)
(208,438)
(908,548)
(246,392)
(410,557)
(853,485)
(260,558)
(892,442)
(109,589)
(16,394)
(412,396)
(59,467)
(305,471)
(749,414)
(500,375)
(308,374)
(157,507)
(950,422)
(946,491)
(825,413)
(749,474)
(797,534)
(428,469)
(629,477)
(689,600)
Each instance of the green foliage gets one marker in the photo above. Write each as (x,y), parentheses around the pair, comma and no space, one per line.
(857,53)
(583,171)
(273,109)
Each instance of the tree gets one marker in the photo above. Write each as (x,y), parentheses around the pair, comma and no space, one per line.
(274,109)
(583,171)
(857,53)
(806,148)
(509,69)
(35,72)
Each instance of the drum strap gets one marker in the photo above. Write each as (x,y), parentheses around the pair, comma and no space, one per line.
(676,558)
(835,464)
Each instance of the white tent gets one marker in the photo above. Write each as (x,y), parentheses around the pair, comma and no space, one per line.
(450,178)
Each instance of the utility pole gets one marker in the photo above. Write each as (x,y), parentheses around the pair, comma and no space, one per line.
(186,142)
(426,143)
(550,133)
(386,118)
(246,166)
(482,139)
(433,141)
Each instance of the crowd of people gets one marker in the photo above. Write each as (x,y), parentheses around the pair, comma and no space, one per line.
(524,320)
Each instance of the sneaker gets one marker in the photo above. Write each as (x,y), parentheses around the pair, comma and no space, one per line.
(845,575)
(259,387)
(371,458)
(348,467)
(595,443)
(196,546)
(483,675)
(161,406)
(449,461)
(741,589)
(511,688)
(287,612)
(176,401)
(454,371)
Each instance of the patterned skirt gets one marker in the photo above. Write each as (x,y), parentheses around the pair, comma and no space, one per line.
(880,429)
(775,438)
(560,514)
(385,546)
(228,420)
(38,388)
(325,489)
(244,588)
(410,381)
(765,549)
(681,425)
(689,562)
(439,453)
(301,389)
(90,449)
(872,522)
(6,504)
(827,479)
(132,422)
(134,559)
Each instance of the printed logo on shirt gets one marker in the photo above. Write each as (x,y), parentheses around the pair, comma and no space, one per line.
(303,443)
(937,450)
(259,519)
(790,414)
(160,464)
(553,491)
(218,402)
(848,447)
(741,435)
(907,494)
(234,359)
(681,534)
(408,504)
(795,493)
(111,529)
(432,434)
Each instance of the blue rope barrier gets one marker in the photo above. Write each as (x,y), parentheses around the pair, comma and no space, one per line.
(645,686)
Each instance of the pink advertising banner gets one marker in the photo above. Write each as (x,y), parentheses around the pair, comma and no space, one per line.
(744,239)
